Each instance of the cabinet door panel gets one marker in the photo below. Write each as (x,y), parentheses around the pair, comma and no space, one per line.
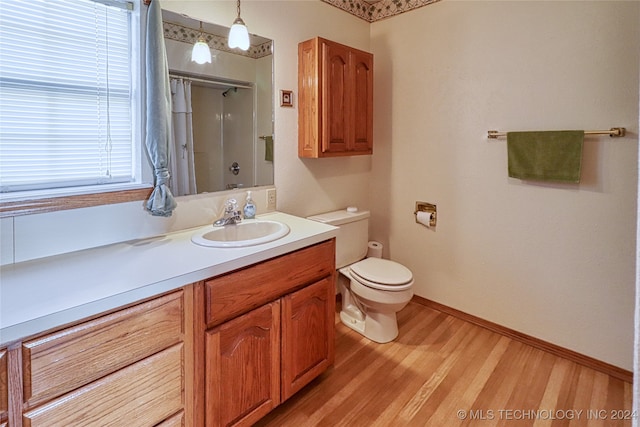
(307,335)
(242,368)
(363,102)
(62,361)
(141,395)
(309,98)
(335,88)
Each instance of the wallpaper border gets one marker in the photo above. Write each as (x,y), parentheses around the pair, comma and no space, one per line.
(379,10)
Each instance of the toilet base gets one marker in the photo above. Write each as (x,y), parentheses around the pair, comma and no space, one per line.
(379,327)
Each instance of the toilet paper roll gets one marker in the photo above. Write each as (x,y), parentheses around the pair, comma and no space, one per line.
(374,250)
(424,218)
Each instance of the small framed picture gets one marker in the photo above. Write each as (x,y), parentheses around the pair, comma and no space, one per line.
(286,98)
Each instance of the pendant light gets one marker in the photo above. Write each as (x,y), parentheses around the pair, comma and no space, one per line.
(239,35)
(201,53)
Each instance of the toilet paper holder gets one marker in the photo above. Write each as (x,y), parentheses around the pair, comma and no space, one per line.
(426,207)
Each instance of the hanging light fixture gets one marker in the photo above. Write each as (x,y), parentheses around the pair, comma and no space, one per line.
(239,35)
(201,53)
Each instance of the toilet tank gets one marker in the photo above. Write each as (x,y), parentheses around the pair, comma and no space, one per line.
(352,237)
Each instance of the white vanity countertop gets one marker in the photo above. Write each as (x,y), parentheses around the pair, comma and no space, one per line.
(46,293)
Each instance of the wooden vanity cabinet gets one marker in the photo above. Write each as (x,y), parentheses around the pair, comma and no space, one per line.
(335,100)
(271,331)
(222,352)
(130,367)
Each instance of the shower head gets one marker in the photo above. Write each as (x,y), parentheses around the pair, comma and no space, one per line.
(235,89)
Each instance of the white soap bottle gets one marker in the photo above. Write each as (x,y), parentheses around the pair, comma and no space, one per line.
(249,209)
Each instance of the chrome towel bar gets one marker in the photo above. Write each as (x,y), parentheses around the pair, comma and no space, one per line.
(613,132)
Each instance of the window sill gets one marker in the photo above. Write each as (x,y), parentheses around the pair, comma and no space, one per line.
(29,206)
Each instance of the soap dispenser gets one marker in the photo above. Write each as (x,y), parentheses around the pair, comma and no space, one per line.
(249,209)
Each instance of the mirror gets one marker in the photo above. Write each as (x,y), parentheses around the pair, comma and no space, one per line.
(222,111)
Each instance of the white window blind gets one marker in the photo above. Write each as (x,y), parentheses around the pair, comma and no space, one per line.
(66,104)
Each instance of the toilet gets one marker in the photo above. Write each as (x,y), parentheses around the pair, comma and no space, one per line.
(375,289)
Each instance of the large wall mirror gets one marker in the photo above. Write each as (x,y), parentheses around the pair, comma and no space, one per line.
(222,111)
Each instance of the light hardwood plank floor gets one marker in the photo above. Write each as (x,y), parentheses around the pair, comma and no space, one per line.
(442,371)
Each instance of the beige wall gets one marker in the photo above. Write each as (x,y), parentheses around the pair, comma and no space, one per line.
(555,262)
(552,261)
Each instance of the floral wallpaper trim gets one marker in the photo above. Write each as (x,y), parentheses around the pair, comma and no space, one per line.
(379,10)
(189,35)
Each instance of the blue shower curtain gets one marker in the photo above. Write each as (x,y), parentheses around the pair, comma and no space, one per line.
(161,202)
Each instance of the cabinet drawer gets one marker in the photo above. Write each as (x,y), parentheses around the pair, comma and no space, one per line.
(238,292)
(70,358)
(175,421)
(143,394)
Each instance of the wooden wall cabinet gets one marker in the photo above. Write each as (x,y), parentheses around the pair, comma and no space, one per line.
(270,332)
(335,100)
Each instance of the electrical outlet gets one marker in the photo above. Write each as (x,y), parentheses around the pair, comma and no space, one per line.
(271,199)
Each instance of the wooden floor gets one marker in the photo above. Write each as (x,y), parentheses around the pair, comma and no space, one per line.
(442,371)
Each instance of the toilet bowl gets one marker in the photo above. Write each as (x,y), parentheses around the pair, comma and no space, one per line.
(374,289)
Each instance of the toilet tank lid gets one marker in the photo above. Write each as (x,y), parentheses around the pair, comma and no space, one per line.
(339,217)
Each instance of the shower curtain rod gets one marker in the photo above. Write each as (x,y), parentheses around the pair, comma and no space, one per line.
(201,79)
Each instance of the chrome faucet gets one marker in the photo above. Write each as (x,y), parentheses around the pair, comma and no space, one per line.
(232,214)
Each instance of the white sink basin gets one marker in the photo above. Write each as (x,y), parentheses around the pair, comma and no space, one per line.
(247,233)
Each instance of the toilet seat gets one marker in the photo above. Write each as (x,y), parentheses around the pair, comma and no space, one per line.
(382,274)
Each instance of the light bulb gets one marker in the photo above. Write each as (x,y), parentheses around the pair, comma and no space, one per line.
(238,35)
(201,53)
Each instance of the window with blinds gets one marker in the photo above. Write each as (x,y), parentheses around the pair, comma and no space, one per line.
(68,114)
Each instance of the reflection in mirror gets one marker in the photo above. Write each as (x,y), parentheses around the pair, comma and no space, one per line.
(222,111)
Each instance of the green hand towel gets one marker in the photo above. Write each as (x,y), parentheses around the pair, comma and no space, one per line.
(545,156)
(268,148)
